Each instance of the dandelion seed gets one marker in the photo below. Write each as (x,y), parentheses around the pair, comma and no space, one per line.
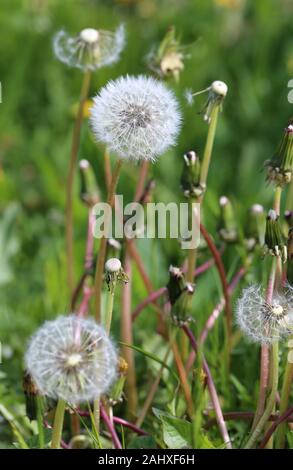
(136,117)
(72,359)
(265,322)
(90,49)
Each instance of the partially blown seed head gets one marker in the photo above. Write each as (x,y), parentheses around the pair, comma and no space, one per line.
(72,359)
(90,49)
(265,322)
(136,117)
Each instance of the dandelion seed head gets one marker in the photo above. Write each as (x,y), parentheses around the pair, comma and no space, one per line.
(71,358)
(136,117)
(90,49)
(265,322)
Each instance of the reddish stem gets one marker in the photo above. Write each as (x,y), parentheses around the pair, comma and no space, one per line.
(111,428)
(219,263)
(274,426)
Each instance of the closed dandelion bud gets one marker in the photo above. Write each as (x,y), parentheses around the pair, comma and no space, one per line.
(90,49)
(274,240)
(72,359)
(217,92)
(179,292)
(265,322)
(136,117)
(89,192)
(116,393)
(280,167)
(31,393)
(190,178)
(114,273)
(227,225)
(255,227)
(167,60)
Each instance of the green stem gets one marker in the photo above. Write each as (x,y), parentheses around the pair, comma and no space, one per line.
(209,147)
(40,422)
(70,181)
(58,424)
(110,304)
(271,400)
(285,395)
(103,244)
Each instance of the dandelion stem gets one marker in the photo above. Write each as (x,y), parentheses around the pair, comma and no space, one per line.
(209,147)
(40,422)
(285,395)
(103,244)
(70,181)
(271,399)
(107,168)
(58,424)
(127,337)
(277,424)
(110,304)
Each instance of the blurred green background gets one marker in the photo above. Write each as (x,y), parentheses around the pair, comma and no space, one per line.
(246,43)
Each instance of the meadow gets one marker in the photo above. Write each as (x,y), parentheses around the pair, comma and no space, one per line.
(188,374)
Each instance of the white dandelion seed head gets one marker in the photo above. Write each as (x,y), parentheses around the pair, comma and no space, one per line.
(71,358)
(223,201)
(265,322)
(90,49)
(136,117)
(219,88)
(113,265)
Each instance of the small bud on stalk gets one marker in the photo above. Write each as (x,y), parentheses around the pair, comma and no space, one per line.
(114,273)
(89,192)
(116,393)
(179,292)
(227,225)
(280,167)
(190,178)
(274,240)
(255,227)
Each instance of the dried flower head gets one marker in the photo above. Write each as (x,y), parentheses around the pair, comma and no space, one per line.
(90,49)
(136,117)
(265,322)
(71,358)
(168,59)
(217,92)
(274,240)
(280,167)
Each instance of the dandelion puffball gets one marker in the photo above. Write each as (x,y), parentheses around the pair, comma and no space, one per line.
(136,117)
(90,49)
(71,358)
(265,322)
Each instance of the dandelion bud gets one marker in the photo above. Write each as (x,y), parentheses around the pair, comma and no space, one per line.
(72,359)
(190,178)
(227,224)
(89,192)
(265,322)
(136,117)
(255,227)
(274,240)
(31,393)
(179,292)
(114,272)
(90,49)
(280,167)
